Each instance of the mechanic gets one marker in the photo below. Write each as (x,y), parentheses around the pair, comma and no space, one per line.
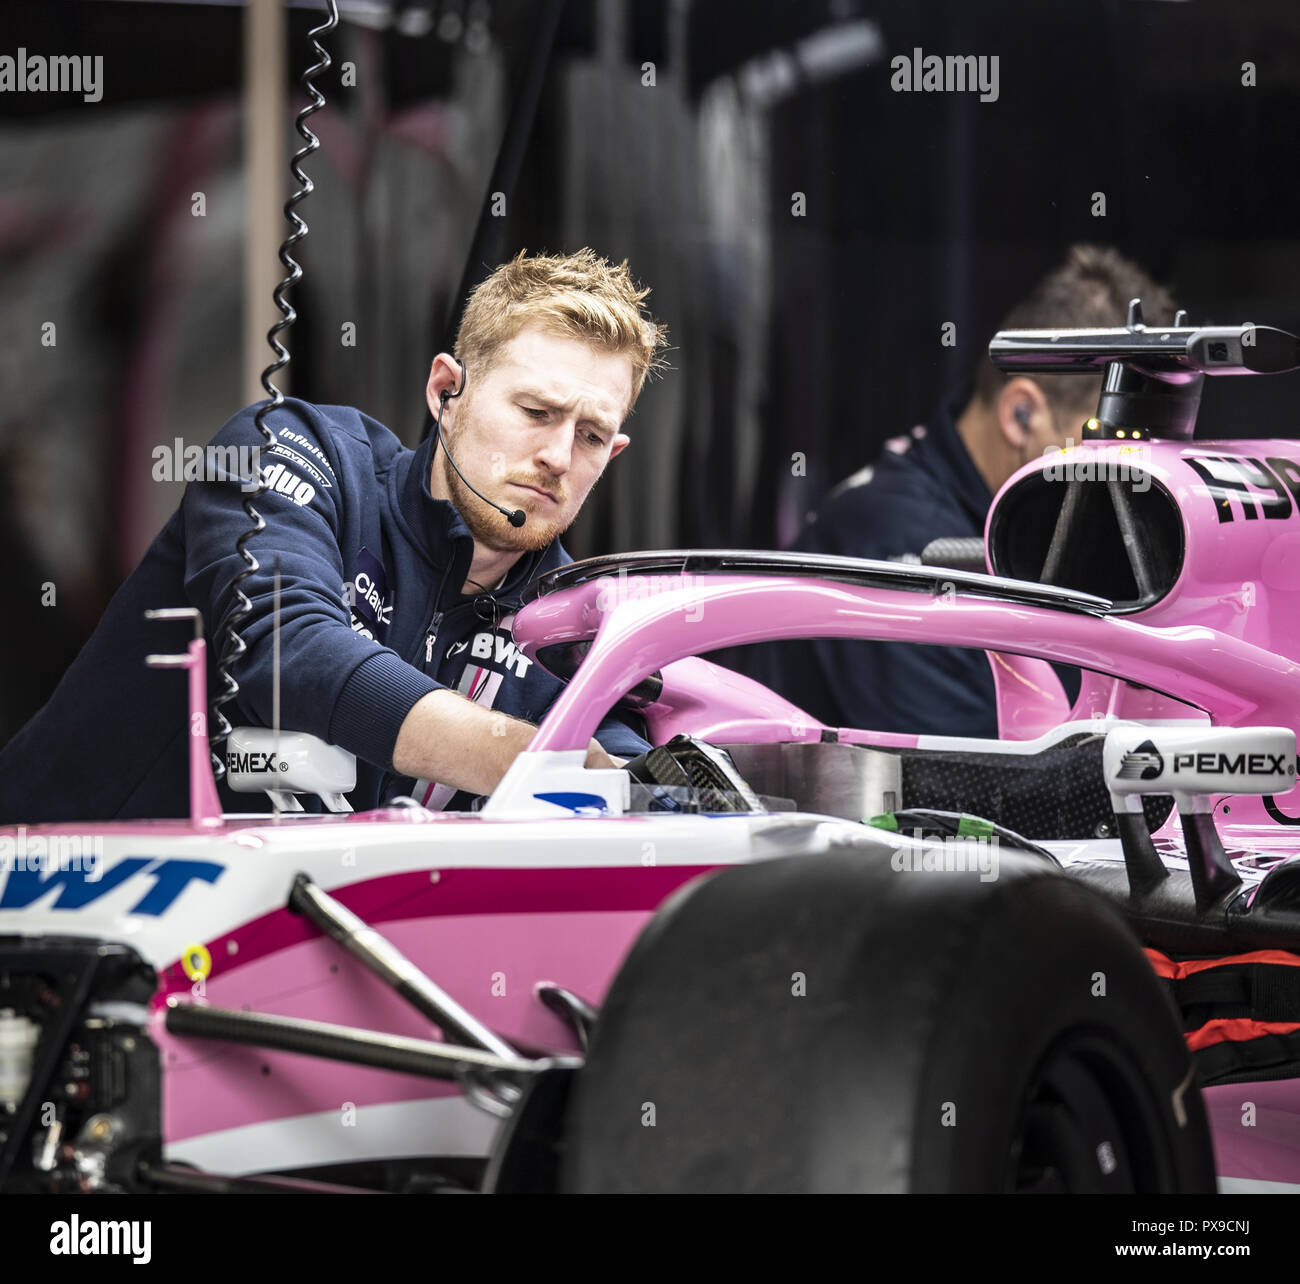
(937,482)
(400,570)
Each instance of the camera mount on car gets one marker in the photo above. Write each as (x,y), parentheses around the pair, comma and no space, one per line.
(1152,375)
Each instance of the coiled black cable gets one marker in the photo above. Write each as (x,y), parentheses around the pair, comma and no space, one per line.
(233,645)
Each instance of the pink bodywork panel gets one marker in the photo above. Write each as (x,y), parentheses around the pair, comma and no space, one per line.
(487,936)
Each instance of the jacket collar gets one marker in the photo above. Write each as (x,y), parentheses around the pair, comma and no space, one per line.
(968,485)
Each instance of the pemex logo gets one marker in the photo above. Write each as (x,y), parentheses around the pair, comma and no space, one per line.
(1142,763)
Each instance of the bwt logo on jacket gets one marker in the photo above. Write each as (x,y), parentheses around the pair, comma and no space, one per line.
(495,648)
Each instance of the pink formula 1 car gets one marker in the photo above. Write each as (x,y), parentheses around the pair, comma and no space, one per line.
(1060,960)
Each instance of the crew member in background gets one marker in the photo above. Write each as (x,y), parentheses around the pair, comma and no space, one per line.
(939,481)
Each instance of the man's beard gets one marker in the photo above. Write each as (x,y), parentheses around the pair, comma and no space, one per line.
(489,528)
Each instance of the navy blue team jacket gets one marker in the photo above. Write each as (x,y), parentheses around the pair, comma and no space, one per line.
(923,487)
(372,619)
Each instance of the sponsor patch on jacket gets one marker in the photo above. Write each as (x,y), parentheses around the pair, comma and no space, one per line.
(369,599)
(306,446)
(301,463)
(280,479)
(492,649)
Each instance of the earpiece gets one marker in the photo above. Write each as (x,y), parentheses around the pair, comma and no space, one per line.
(1021,413)
(446,394)
(517,516)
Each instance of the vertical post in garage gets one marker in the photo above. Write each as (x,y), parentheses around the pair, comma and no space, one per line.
(485,249)
(265,108)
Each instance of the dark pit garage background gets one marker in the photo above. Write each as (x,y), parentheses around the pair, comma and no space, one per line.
(818,334)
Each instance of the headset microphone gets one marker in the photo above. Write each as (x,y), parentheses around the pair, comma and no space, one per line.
(516,517)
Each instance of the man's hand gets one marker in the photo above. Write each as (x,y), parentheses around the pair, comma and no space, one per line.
(597,757)
(456,742)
